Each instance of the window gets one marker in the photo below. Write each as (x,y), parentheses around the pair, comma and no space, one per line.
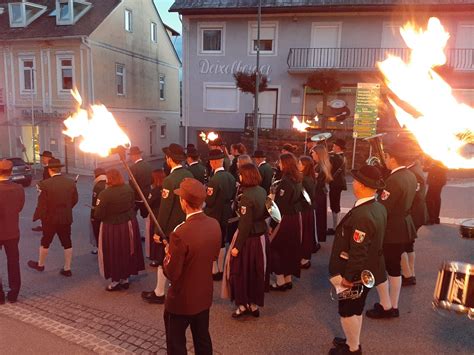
(268,38)
(27,75)
(223,97)
(128,21)
(65,73)
(16,14)
(162,87)
(120,78)
(53,145)
(153,32)
(163,131)
(65,12)
(68,12)
(21,14)
(211,38)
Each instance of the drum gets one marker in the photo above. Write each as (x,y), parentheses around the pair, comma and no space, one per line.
(467,229)
(454,289)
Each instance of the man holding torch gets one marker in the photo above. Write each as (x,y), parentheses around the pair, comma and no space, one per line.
(142,172)
(170,214)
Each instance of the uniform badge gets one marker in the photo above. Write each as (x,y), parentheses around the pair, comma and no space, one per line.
(282,192)
(243,210)
(210,191)
(97,202)
(149,195)
(165,193)
(385,194)
(418,186)
(359,236)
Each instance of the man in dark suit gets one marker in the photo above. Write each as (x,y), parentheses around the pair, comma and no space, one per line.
(58,196)
(436,179)
(195,166)
(142,172)
(12,200)
(194,245)
(99,186)
(397,198)
(264,168)
(46,156)
(338,183)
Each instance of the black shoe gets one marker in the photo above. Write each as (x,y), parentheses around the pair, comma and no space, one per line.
(337,341)
(276,287)
(255,313)
(316,248)
(408,281)
(330,231)
(34,265)
(289,285)
(306,265)
(2,298)
(378,312)
(151,297)
(238,313)
(37,229)
(437,221)
(344,349)
(94,252)
(111,288)
(218,276)
(12,297)
(66,273)
(154,264)
(125,285)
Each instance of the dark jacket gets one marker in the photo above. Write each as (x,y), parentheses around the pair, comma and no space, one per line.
(170,213)
(46,173)
(437,174)
(338,171)
(320,181)
(419,211)
(288,196)
(12,200)
(358,243)
(220,192)
(310,186)
(199,172)
(115,205)
(154,199)
(398,199)
(58,196)
(266,171)
(233,168)
(143,174)
(253,213)
(194,245)
(99,186)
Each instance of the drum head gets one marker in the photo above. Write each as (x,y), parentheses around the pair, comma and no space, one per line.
(467,229)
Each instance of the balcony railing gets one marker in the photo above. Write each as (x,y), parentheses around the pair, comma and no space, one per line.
(365,58)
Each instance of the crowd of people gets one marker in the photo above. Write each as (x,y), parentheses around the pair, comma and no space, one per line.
(239,219)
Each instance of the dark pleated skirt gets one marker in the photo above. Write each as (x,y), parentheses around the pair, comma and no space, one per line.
(321,215)
(249,273)
(120,250)
(285,246)
(154,251)
(308,241)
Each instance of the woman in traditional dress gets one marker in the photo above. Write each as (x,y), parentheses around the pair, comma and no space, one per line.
(120,248)
(285,237)
(322,169)
(308,241)
(246,271)
(152,251)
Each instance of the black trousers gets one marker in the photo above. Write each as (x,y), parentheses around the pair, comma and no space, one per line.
(62,230)
(13,265)
(335,199)
(96,230)
(176,325)
(433,202)
(349,308)
(393,257)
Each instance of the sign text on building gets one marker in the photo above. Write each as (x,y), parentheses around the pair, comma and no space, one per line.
(206,67)
(366,110)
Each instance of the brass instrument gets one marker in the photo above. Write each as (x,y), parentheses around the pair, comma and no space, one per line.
(367,279)
(378,159)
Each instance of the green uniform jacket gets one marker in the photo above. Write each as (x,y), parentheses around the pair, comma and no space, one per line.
(419,211)
(288,197)
(170,213)
(115,205)
(398,199)
(309,185)
(253,213)
(338,171)
(199,172)
(220,193)
(358,243)
(266,171)
(143,174)
(58,196)
(99,186)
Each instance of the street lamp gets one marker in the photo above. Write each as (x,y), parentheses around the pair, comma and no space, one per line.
(257,79)
(33,140)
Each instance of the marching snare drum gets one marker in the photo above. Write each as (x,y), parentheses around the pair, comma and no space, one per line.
(467,229)
(454,289)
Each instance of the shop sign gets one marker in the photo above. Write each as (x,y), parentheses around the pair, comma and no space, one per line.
(218,68)
(366,110)
(40,114)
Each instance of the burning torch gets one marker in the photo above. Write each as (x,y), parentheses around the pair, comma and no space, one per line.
(301,127)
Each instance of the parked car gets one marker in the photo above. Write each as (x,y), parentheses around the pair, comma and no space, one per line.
(21,172)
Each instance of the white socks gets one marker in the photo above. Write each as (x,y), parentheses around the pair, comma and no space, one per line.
(303,261)
(288,279)
(384,295)
(280,280)
(406,272)
(160,282)
(395,286)
(220,260)
(335,219)
(352,327)
(215,268)
(411,262)
(67,259)
(43,253)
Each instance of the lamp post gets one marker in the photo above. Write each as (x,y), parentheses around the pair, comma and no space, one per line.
(33,131)
(257,79)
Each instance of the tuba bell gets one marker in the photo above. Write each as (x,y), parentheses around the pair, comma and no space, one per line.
(367,279)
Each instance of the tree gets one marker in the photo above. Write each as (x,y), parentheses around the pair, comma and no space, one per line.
(326,81)
(246,82)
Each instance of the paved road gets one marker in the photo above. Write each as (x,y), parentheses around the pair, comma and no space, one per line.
(76,314)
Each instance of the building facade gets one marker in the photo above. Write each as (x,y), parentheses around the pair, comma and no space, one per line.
(297,39)
(115,52)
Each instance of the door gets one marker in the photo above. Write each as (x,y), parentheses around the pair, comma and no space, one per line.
(268,103)
(153,140)
(325,44)
(392,42)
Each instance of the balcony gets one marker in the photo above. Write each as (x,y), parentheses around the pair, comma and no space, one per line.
(364,59)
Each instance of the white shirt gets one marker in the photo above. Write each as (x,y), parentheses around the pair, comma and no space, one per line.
(176,167)
(396,169)
(138,160)
(192,214)
(55,174)
(263,162)
(363,200)
(219,169)
(193,163)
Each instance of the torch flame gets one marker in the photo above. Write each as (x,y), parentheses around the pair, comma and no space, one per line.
(211,136)
(300,126)
(445,126)
(100,132)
